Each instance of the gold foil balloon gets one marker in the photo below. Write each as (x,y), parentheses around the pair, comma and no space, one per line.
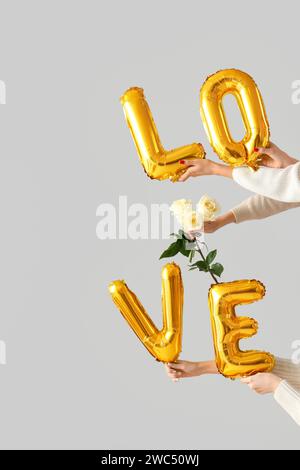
(228,329)
(251,105)
(164,345)
(158,163)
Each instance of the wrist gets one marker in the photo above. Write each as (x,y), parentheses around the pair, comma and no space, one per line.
(219,169)
(275,383)
(201,368)
(287,161)
(207,367)
(226,219)
(214,170)
(292,161)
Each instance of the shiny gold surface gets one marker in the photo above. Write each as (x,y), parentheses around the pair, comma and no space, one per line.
(157,162)
(164,345)
(251,105)
(228,329)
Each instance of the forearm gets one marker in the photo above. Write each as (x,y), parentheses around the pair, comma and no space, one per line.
(207,367)
(260,207)
(279,184)
(218,169)
(227,218)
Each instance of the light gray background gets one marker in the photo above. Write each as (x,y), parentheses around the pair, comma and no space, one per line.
(76,376)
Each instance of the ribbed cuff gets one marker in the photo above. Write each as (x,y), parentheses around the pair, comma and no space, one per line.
(289,400)
(287,370)
(240,214)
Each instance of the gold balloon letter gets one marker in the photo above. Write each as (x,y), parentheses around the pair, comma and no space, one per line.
(228,329)
(164,345)
(157,162)
(251,105)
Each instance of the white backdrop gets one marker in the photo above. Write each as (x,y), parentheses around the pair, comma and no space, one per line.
(76,376)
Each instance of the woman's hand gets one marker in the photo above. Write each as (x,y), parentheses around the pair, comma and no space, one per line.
(262,383)
(204,168)
(274,157)
(212,226)
(208,227)
(182,369)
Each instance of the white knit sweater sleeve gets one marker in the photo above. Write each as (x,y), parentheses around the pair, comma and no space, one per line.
(280,184)
(287,393)
(287,370)
(260,207)
(289,399)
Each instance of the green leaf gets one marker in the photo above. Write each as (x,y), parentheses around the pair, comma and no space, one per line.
(192,269)
(174,235)
(185,252)
(186,247)
(211,256)
(201,265)
(172,250)
(217,269)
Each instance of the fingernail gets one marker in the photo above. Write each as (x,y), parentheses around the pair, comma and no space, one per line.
(256,149)
(182,162)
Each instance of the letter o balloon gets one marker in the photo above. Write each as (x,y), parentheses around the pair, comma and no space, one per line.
(250,102)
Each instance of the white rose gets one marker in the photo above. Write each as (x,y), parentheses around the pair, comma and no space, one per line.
(191,221)
(208,207)
(180,208)
(187,218)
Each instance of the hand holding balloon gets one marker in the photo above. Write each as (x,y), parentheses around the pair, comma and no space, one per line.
(184,369)
(262,383)
(274,157)
(204,168)
(271,157)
